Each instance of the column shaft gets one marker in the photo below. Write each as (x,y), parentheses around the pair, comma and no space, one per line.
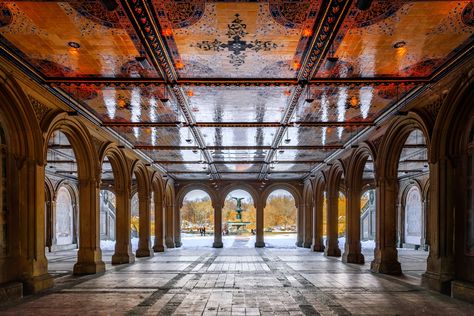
(177,226)
(332,242)
(318,244)
(352,251)
(259,243)
(123,247)
(308,221)
(385,254)
(217,226)
(159,245)
(169,229)
(300,225)
(144,242)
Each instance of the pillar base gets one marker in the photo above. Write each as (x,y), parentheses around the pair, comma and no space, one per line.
(386,267)
(123,258)
(307,244)
(217,244)
(11,292)
(178,244)
(83,268)
(317,247)
(158,248)
(353,258)
(169,244)
(38,283)
(463,290)
(436,282)
(144,252)
(299,244)
(259,244)
(332,252)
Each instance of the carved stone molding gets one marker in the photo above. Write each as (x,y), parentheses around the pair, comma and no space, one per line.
(39,108)
(433,108)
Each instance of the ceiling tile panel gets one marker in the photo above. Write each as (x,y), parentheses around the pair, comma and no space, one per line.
(73,39)
(238,136)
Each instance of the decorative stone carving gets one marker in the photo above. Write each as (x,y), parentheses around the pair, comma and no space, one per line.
(433,108)
(39,108)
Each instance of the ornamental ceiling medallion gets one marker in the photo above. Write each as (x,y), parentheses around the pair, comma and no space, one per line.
(237,44)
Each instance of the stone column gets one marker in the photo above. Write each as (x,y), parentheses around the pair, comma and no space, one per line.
(352,251)
(123,213)
(159,245)
(89,256)
(385,254)
(259,242)
(332,243)
(33,265)
(300,225)
(177,227)
(308,221)
(169,228)
(217,225)
(144,242)
(318,244)
(440,264)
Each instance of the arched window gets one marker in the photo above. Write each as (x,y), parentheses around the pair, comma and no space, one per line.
(413,216)
(64,217)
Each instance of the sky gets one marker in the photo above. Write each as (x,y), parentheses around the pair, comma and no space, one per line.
(199,194)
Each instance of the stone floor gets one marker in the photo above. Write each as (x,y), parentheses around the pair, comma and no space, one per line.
(238,281)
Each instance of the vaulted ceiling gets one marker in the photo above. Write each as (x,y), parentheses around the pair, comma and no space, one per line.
(235,90)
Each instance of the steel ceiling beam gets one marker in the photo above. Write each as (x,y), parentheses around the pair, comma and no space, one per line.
(324,31)
(240,124)
(245,82)
(237,162)
(144,20)
(325,147)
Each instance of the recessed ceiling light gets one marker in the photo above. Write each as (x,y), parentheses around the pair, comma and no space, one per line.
(399,44)
(74,44)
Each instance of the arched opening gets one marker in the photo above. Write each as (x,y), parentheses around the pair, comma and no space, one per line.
(279,223)
(341,219)
(197,219)
(135,218)
(62,171)
(108,208)
(239,219)
(413,174)
(368,208)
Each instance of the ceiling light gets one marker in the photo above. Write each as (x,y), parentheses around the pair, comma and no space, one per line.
(281,151)
(363,4)
(110,5)
(309,97)
(75,45)
(399,44)
(164,98)
(331,63)
(143,61)
(195,151)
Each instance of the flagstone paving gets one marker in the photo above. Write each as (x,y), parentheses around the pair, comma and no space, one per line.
(238,281)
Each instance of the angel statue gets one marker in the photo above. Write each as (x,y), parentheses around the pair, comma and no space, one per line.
(238,209)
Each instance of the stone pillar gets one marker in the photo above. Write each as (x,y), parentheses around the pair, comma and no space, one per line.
(159,245)
(352,248)
(144,242)
(259,242)
(217,225)
(318,244)
(440,264)
(123,213)
(177,227)
(33,265)
(89,256)
(385,254)
(300,225)
(332,242)
(308,221)
(169,228)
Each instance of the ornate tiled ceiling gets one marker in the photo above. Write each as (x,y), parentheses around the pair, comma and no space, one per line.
(244,90)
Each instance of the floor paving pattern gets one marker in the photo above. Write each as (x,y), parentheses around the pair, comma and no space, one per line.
(239,281)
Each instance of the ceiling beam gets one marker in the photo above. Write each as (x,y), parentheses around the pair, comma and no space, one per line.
(246,82)
(324,31)
(237,162)
(325,147)
(239,124)
(145,22)
(236,172)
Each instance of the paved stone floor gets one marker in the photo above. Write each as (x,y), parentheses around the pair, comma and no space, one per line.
(238,281)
